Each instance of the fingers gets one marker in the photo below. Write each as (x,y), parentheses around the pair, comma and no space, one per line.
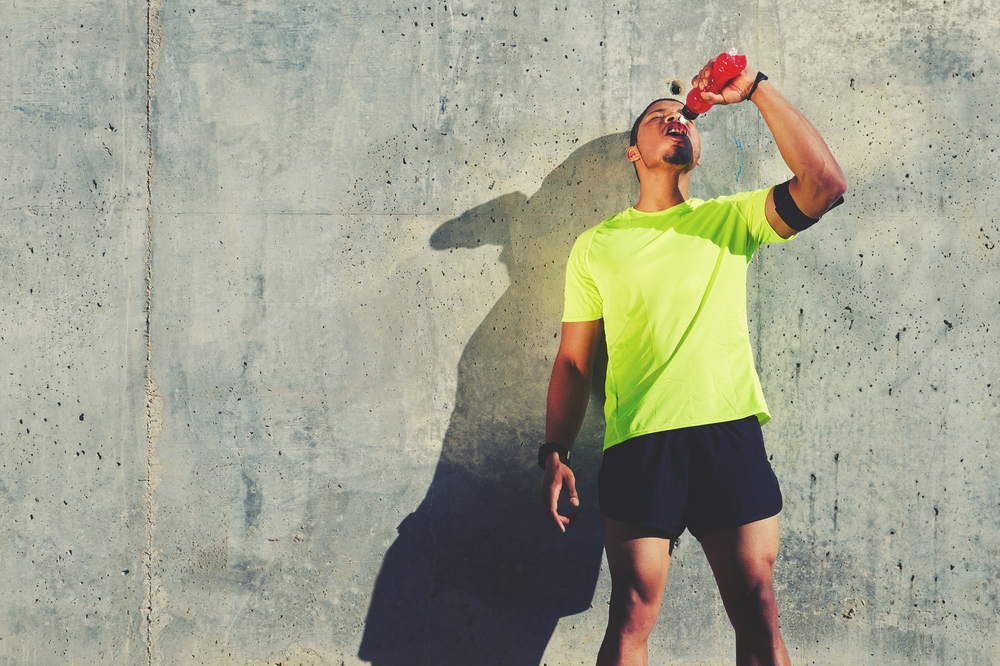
(702,78)
(574,499)
(550,496)
(714,98)
(550,499)
(733,92)
(554,516)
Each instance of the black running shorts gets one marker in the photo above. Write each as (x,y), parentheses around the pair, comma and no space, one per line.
(703,478)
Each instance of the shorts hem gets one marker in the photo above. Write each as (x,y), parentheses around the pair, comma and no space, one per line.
(670,533)
(740,523)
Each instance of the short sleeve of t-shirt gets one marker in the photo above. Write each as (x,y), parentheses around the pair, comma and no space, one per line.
(751,206)
(583,300)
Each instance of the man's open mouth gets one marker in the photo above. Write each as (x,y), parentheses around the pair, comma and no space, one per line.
(676,129)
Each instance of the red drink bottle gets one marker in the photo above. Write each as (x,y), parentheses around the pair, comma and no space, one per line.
(726,67)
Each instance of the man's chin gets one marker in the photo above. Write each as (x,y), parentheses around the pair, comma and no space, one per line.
(680,158)
(681,155)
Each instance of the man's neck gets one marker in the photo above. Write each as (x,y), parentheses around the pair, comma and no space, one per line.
(661,192)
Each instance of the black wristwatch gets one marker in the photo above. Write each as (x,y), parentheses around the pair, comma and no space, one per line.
(761,76)
(548,448)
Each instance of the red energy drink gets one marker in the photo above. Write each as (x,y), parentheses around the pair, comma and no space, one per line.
(726,67)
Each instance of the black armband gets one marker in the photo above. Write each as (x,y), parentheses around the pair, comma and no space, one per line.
(789,211)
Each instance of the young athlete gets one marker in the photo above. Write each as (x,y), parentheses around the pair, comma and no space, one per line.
(665,282)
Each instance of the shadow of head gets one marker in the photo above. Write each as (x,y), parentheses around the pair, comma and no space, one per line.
(536,235)
(593,183)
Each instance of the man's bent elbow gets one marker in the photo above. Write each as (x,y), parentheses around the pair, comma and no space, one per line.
(575,365)
(835,187)
(824,190)
(833,183)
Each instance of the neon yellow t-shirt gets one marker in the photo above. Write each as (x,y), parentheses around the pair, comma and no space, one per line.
(671,288)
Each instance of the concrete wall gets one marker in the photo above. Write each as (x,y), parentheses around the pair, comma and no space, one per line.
(281,293)
(73,514)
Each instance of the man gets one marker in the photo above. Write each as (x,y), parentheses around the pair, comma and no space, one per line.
(666,282)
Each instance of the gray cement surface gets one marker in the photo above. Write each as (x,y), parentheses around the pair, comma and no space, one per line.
(282,287)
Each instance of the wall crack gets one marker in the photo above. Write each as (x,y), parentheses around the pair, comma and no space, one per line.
(153,413)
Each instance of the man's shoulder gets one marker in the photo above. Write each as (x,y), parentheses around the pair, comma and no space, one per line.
(736,198)
(743,204)
(613,222)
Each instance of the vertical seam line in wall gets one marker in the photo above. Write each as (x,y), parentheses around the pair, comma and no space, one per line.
(760,259)
(153,405)
(757,55)
(147,555)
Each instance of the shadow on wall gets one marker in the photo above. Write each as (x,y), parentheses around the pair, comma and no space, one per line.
(476,575)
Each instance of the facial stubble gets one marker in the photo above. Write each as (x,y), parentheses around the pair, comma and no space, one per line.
(681,155)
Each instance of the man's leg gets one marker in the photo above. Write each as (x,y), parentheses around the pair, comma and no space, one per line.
(742,559)
(638,558)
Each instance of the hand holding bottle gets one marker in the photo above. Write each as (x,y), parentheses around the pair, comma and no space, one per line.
(724,80)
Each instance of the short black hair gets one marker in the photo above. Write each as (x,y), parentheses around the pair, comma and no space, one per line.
(634,136)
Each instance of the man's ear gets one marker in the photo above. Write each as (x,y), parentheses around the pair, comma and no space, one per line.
(632,154)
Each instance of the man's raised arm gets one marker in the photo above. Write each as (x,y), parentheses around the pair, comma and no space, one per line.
(818,182)
(569,393)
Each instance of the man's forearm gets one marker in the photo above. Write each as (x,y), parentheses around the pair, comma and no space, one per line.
(569,393)
(819,180)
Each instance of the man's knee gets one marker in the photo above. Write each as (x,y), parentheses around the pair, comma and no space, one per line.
(634,611)
(751,577)
(754,612)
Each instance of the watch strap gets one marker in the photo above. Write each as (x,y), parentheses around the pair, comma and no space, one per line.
(760,77)
(548,448)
